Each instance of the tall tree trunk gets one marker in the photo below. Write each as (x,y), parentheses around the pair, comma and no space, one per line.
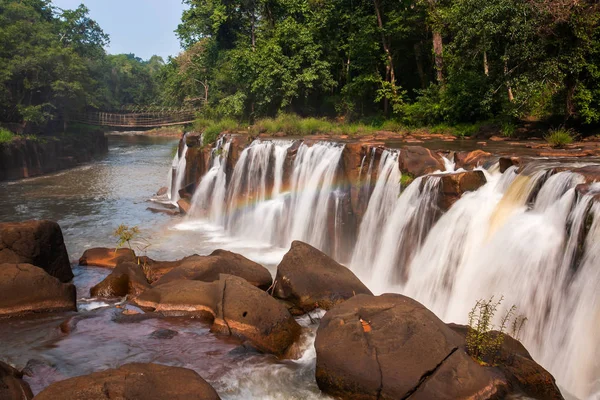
(511,97)
(390,75)
(420,69)
(486,67)
(438,51)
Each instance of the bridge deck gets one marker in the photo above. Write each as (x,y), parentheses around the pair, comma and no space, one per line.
(135,120)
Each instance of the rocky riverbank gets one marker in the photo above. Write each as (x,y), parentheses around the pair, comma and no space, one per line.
(367,347)
(34,156)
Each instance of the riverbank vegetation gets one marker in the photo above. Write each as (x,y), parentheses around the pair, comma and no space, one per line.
(422,63)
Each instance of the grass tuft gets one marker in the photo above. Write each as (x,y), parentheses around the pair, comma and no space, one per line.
(560,137)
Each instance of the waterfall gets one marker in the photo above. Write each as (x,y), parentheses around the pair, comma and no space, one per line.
(209,197)
(257,206)
(176,174)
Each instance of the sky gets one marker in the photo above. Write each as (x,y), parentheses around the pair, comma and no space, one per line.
(142,27)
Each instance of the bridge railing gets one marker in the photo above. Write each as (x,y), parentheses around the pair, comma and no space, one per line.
(135,119)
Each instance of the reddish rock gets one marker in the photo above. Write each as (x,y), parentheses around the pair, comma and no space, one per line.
(127,278)
(417,161)
(25,288)
(473,159)
(162,191)
(308,279)
(235,307)
(107,258)
(133,381)
(12,385)
(453,186)
(392,347)
(184,205)
(39,243)
(208,268)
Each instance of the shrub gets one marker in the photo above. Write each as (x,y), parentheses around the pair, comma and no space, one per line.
(560,137)
(483,343)
(508,129)
(213,130)
(6,136)
(392,126)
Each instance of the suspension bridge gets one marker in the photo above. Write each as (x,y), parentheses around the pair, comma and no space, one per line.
(136,117)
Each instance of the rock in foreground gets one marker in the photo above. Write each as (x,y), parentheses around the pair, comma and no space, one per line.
(106,258)
(12,386)
(236,308)
(392,347)
(208,268)
(309,279)
(127,278)
(39,243)
(25,288)
(133,381)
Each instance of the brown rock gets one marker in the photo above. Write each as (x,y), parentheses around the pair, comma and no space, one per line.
(25,288)
(235,307)
(107,258)
(127,278)
(162,191)
(208,268)
(308,279)
(184,205)
(473,159)
(36,242)
(392,347)
(417,161)
(453,186)
(12,385)
(133,381)
(507,162)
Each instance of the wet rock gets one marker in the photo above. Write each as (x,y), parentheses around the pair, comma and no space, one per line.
(473,159)
(127,278)
(165,211)
(235,307)
(417,161)
(392,347)
(164,334)
(36,242)
(453,186)
(107,258)
(193,139)
(162,191)
(208,268)
(25,288)
(591,173)
(309,279)
(507,162)
(12,385)
(523,374)
(184,205)
(133,381)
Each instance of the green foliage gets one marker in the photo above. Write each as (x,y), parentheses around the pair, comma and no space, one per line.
(560,137)
(508,129)
(6,136)
(484,340)
(213,130)
(125,235)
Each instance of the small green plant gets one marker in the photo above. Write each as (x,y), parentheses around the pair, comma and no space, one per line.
(484,340)
(214,129)
(126,235)
(560,137)
(6,136)
(392,126)
(508,129)
(405,180)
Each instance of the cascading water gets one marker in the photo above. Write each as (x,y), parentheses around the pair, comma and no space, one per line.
(518,236)
(209,197)
(176,174)
(257,206)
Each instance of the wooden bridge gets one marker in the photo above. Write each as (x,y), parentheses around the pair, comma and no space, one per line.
(136,118)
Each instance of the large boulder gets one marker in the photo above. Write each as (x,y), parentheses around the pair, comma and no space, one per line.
(235,307)
(473,159)
(12,385)
(106,257)
(208,268)
(392,347)
(453,186)
(133,381)
(307,278)
(39,243)
(416,161)
(127,278)
(25,288)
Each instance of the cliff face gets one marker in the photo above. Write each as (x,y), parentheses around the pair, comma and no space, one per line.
(24,158)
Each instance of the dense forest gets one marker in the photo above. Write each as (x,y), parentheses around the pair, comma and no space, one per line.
(53,64)
(420,62)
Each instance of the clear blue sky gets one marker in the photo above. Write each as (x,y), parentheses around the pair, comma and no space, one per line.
(143,27)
